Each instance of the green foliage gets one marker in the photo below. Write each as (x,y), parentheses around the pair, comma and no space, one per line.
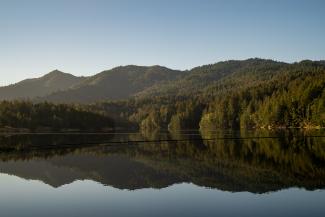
(253,93)
(292,98)
(249,94)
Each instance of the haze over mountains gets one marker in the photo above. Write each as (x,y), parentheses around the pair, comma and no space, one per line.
(142,81)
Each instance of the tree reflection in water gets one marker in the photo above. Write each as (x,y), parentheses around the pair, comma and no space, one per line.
(257,162)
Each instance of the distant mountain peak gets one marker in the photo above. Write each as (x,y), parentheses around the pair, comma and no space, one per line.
(39,87)
(56,72)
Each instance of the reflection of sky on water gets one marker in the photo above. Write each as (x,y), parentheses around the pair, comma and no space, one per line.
(21,197)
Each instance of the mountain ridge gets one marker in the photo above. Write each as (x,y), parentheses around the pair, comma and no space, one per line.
(127,81)
(118,83)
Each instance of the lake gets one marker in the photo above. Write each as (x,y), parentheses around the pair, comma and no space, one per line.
(187,173)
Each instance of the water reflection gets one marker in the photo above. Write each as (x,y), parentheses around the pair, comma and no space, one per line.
(256,162)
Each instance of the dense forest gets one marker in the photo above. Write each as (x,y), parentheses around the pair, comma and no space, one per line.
(49,117)
(247,94)
(253,93)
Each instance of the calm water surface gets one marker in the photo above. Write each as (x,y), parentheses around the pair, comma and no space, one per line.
(163,174)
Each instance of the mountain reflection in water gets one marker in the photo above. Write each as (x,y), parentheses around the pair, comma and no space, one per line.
(256,162)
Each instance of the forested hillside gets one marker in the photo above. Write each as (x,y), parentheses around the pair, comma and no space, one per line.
(294,97)
(229,74)
(258,93)
(253,93)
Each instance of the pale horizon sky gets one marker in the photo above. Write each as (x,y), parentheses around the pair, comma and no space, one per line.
(85,37)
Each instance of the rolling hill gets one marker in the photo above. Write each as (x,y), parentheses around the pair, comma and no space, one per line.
(118,83)
(252,93)
(228,73)
(39,87)
(147,81)
(124,82)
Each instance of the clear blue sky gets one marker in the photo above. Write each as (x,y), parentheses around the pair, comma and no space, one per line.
(84,37)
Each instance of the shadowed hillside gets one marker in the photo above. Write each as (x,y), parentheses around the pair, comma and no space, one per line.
(118,83)
(38,87)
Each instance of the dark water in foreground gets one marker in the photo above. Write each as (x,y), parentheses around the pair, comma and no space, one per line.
(160,174)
